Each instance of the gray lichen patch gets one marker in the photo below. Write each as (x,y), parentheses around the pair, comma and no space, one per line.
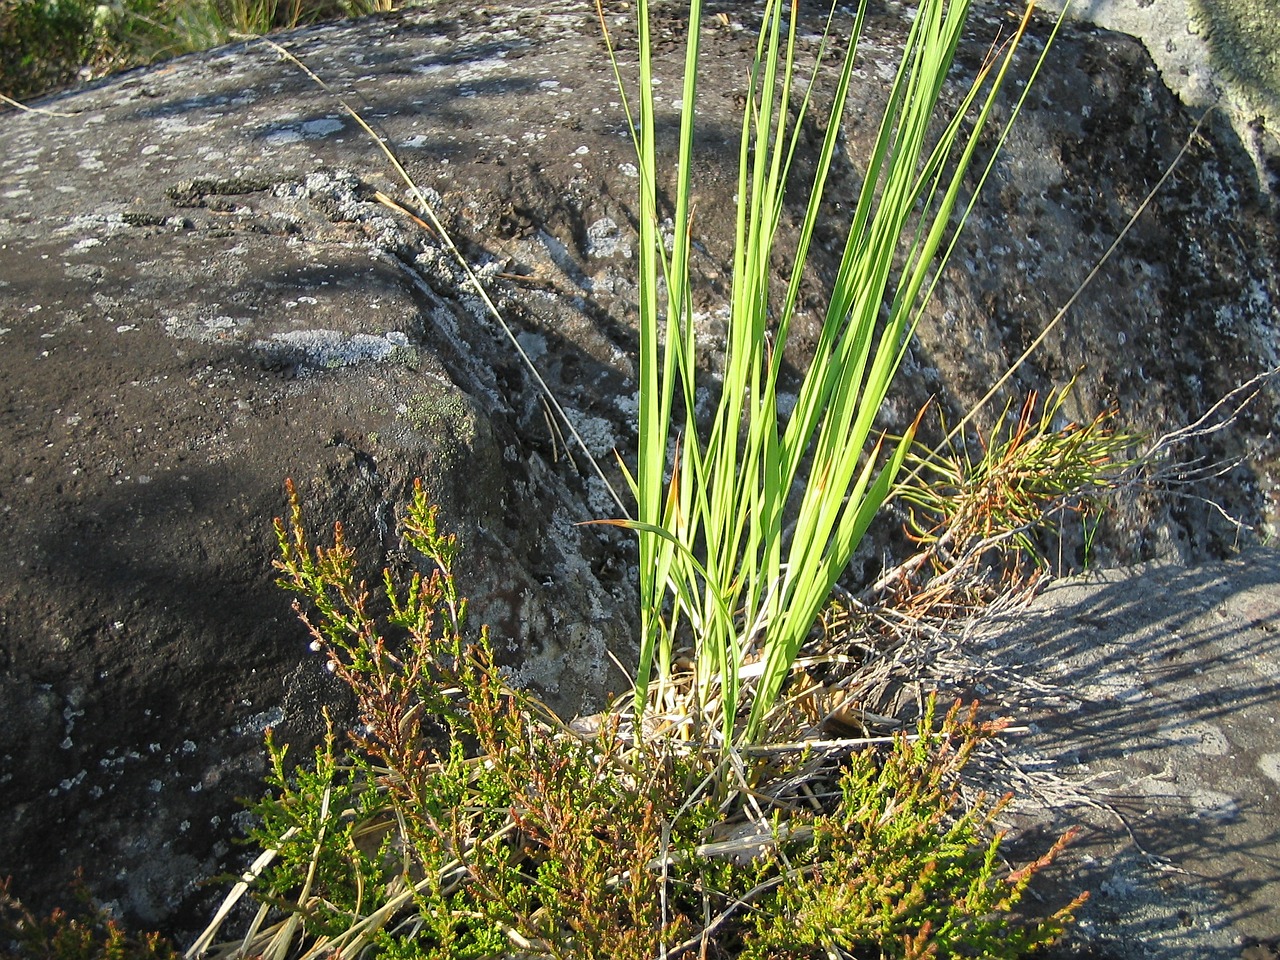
(328,349)
(307,129)
(606,239)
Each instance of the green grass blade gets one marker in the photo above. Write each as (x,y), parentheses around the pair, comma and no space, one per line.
(718,554)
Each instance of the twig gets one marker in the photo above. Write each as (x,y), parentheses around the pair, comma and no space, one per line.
(844,743)
(41,110)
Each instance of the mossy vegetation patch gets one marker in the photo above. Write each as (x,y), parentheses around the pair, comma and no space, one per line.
(1244,37)
(445,418)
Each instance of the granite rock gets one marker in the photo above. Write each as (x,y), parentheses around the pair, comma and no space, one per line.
(210,280)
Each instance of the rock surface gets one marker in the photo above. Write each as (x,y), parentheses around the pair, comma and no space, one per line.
(1221,54)
(201,292)
(1152,715)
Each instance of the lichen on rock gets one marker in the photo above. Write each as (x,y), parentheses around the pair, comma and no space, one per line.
(196,305)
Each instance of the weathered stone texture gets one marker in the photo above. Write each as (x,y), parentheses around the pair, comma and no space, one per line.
(201,293)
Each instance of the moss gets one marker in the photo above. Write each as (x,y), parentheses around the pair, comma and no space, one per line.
(1244,36)
(405,357)
(446,419)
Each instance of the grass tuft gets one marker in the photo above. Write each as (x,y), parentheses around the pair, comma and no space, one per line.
(748,513)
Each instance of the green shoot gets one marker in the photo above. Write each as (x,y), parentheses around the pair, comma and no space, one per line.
(1026,473)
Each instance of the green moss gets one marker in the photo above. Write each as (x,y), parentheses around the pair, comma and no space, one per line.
(1244,37)
(405,357)
(445,418)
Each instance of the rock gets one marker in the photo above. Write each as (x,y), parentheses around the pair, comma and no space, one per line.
(211,281)
(1212,54)
(1150,721)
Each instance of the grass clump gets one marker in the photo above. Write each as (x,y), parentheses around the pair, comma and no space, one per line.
(1024,473)
(984,513)
(461,818)
(750,508)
